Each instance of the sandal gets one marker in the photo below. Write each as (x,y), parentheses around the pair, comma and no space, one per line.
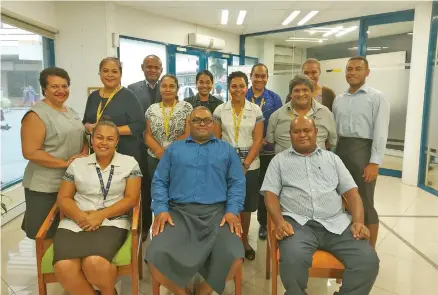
(250,254)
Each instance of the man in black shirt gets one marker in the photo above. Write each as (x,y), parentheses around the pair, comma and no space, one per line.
(147,92)
(204,84)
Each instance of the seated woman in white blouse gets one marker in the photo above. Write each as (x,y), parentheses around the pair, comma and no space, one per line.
(96,194)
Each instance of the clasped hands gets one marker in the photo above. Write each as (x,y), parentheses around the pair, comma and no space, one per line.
(164,217)
(91,220)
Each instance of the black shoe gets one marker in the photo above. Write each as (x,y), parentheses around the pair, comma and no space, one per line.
(263,233)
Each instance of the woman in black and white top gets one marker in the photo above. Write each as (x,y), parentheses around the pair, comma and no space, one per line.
(240,123)
(166,121)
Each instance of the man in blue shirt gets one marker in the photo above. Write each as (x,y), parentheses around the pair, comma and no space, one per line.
(198,190)
(269,102)
(362,122)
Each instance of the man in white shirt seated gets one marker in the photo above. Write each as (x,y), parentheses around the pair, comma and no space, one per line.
(303,194)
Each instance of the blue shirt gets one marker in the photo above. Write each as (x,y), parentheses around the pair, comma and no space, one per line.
(309,187)
(364,114)
(272,103)
(206,173)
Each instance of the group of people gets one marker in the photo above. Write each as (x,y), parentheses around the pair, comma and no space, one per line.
(202,167)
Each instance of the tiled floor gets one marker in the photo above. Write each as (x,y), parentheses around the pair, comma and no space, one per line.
(407,247)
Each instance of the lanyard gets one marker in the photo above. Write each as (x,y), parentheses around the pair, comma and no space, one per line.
(166,119)
(236,123)
(100,109)
(261,103)
(108,184)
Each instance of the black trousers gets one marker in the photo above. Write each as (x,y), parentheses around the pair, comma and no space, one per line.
(145,190)
(261,212)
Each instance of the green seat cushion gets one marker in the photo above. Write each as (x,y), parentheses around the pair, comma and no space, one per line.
(123,256)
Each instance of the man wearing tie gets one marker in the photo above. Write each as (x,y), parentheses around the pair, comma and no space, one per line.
(147,92)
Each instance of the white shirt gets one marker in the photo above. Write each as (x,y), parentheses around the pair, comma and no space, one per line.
(252,114)
(82,172)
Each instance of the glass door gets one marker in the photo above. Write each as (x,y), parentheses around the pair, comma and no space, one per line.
(186,68)
(218,66)
(388,50)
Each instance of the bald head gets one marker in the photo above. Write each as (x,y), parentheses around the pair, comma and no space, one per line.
(152,68)
(303,134)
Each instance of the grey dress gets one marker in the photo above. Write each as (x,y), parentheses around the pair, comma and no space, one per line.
(65,135)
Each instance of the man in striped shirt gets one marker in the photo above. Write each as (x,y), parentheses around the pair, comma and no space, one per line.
(303,194)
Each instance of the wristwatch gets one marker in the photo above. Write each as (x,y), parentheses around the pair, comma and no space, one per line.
(246,166)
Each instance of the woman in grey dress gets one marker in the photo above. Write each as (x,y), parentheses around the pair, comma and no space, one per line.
(52,136)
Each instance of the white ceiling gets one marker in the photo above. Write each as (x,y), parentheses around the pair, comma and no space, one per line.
(264,15)
(373,32)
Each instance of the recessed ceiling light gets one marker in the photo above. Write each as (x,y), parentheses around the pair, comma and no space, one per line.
(290,18)
(332,31)
(308,17)
(224,18)
(410,33)
(241,17)
(346,31)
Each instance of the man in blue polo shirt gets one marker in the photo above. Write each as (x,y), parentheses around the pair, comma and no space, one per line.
(269,102)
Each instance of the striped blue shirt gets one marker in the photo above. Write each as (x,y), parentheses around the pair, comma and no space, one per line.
(309,187)
(364,114)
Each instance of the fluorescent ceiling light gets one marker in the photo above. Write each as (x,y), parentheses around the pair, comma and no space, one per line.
(299,38)
(306,40)
(332,31)
(241,17)
(410,33)
(224,18)
(346,31)
(290,18)
(308,17)
(371,48)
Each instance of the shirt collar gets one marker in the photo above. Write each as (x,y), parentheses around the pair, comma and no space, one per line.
(190,139)
(364,88)
(293,151)
(315,106)
(150,85)
(250,93)
(210,97)
(116,161)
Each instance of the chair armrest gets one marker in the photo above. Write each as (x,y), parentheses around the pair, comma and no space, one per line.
(41,235)
(135,216)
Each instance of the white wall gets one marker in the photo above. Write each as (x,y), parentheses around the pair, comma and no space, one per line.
(141,24)
(39,13)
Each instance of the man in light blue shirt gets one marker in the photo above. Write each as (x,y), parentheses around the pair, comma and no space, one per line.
(198,190)
(362,121)
(303,188)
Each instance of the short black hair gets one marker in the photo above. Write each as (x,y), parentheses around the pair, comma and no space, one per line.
(114,59)
(237,74)
(205,72)
(362,58)
(106,121)
(259,65)
(53,71)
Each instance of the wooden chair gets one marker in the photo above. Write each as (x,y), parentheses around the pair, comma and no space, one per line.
(128,259)
(324,265)
(237,282)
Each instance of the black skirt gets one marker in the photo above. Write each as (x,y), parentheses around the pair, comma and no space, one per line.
(104,242)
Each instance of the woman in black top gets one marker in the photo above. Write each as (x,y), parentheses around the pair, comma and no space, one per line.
(204,84)
(118,103)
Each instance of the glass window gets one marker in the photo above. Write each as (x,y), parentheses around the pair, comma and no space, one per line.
(432,138)
(389,48)
(236,60)
(250,61)
(23,56)
(219,69)
(132,54)
(187,66)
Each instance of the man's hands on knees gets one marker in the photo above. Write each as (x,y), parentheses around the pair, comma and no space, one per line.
(234,223)
(283,229)
(160,221)
(360,231)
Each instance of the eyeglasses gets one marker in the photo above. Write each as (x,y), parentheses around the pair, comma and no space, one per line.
(198,121)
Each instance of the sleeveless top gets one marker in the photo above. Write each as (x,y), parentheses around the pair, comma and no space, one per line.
(65,136)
